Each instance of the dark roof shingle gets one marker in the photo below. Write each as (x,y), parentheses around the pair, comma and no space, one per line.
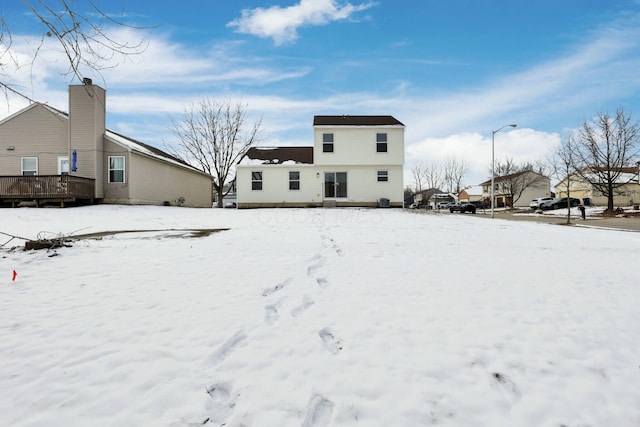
(347,120)
(279,155)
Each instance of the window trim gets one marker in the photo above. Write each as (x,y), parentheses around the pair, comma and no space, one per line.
(327,143)
(295,182)
(22,168)
(110,170)
(255,182)
(383,176)
(382,142)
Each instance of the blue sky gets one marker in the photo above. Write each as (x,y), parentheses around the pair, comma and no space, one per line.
(451,71)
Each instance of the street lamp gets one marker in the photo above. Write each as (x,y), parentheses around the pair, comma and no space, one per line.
(493,162)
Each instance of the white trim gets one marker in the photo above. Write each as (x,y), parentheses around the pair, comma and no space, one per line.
(124,170)
(22,169)
(60,160)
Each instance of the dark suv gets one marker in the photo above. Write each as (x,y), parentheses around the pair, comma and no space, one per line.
(480,204)
(463,207)
(558,203)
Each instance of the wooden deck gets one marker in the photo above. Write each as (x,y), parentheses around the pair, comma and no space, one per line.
(46,189)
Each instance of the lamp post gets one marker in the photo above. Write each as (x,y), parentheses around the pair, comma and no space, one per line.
(493,162)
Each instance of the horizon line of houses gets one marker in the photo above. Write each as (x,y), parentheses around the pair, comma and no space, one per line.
(49,155)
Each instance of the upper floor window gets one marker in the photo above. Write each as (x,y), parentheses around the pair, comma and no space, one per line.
(327,143)
(29,166)
(383,176)
(256,180)
(381,142)
(294,180)
(116,168)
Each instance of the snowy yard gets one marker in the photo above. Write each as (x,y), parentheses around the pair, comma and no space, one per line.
(340,317)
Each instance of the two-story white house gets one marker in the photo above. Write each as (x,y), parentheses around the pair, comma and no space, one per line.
(354,161)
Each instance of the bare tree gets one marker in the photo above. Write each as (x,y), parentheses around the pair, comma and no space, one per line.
(81,29)
(602,149)
(433,175)
(418,177)
(454,172)
(215,136)
(562,165)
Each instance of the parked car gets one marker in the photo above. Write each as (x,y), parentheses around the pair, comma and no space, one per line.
(558,203)
(444,205)
(463,207)
(480,204)
(535,203)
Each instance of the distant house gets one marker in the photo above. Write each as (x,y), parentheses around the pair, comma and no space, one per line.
(627,194)
(473,193)
(52,156)
(517,189)
(354,161)
(430,198)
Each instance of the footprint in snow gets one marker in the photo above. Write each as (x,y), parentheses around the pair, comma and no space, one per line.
(506,386)
(319,412)
(330,341)
(313,268)
(271,315)
(226,348)
(221,405)
(306,303)
(322,282)
(276,288)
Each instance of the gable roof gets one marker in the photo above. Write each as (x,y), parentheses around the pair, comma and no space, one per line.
(346,120)
(142,148)
(280,155)
(124,141)
(474,190)
(510,176)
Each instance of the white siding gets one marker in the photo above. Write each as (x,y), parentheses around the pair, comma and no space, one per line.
(363,188)
(356,145)
(275,185)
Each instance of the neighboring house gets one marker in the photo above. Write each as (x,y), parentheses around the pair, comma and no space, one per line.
(431,197)
(48,155)
(517,189)
(627,194)
(354,161)
(473,193)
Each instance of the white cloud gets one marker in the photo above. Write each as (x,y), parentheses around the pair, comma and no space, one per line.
(521,145)
(282,23)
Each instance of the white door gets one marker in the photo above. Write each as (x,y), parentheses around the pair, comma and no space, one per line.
(63,165)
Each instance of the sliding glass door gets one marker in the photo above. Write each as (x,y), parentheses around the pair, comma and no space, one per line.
(335,185)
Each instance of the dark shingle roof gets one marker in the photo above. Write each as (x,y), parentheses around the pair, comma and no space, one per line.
(356,121)
(508,177)
(278,155)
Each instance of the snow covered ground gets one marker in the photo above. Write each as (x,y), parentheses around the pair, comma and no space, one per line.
(339,317)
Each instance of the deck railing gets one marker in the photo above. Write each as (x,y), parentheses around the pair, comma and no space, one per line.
(54,187)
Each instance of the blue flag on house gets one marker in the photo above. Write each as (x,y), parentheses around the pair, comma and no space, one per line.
(74,160)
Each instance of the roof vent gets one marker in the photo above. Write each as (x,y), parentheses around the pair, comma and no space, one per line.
(87,81)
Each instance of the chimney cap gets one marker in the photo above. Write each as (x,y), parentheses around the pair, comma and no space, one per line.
(87,81)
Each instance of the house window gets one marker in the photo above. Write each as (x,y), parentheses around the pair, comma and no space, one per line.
(327,143)
(294,180)
(381,142)
(383,176)
(29,166)
(256,181)
(116,168)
